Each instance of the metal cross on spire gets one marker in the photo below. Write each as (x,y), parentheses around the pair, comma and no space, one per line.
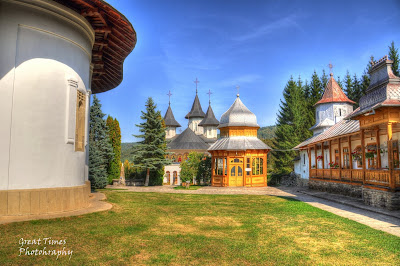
(330,67)
(209,96)
(196,81)
(237,87)
(169,97)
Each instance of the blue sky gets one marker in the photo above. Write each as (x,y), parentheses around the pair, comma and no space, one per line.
(257,45)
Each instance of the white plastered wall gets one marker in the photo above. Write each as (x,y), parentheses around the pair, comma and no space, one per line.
(43,47)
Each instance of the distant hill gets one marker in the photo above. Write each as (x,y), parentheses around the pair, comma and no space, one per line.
(266,132)
(126,151)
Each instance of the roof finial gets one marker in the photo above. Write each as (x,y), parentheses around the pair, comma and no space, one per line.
(209,96)
(237,87)
(196,81)
(330,68)
(169,97)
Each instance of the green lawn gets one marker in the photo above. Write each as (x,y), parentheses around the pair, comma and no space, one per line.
(156,228)
(192,187)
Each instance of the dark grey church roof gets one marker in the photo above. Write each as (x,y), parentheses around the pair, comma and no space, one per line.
(210,119)
(239,143)
(196,111)
(169,119)
(188,140)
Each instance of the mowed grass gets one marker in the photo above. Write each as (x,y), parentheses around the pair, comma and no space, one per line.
(155,228)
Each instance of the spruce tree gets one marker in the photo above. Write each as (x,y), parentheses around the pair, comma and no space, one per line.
(324,78)
(150,153)
(292,127)
(114,133)
(394,55)
(357,90)
(100,149)
(317,89)
(349,88)
(339,82)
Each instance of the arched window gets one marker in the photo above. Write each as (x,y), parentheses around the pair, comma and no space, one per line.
(179,158)
(175,176)
(168,176)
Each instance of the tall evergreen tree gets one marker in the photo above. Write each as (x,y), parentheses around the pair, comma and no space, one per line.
(339,82)
(357,89)
(324,78)
(114,133)
(349,88)
(292,127)
(317,89)
(394,55)
(150,153)
(100,149)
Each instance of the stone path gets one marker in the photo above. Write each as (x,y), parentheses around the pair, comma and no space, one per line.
(350,208)
(96,203)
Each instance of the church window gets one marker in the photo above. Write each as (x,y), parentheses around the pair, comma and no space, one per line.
(346,158)
(304,158)
(179,158)
(80,121)
(340,112)
(248,166)
(220,166)
(225,168)
(257,166)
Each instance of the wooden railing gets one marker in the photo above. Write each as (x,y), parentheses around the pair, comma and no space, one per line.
(357,175)
(377,176)
(372,177)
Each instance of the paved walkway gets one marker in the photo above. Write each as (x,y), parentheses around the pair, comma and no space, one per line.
(96,203)
(353,209)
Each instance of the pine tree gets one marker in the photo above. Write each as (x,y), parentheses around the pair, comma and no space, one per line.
(357,90)
(339,82)
(317,89)
(114,133)
(150,153)
(324,78)
(394,55)
(100,149)
(292,127)
(349,88)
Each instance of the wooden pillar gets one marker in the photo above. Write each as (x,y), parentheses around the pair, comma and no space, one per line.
(330,158)
(378,144)
(212,169)
(340,159)
(226,178)
(315,157)
(350,159)
(309,161)
(392,181)
(363,153)
(323,155)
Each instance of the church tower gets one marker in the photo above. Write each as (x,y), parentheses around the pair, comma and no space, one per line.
(170,123)
(332,108)
(196,115)
(209,123)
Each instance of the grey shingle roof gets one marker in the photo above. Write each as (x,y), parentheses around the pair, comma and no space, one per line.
(210,119)
(188,140)
(341,128)
(240,143)
(238,115)
(169,119)
(196,110)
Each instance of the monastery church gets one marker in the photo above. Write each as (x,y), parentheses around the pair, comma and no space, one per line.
(239,158)
(356,152)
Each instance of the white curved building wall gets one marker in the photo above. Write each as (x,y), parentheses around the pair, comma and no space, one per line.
(45,53)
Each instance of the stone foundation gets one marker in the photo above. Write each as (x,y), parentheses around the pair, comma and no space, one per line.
(337,188)
(44,201)
(381,199)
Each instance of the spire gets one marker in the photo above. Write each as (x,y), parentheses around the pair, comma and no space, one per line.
(237,87)
(209,119)
(209,96)
(333,93)
(196,81)
(169,118)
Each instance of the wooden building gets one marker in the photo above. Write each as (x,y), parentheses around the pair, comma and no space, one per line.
(359,155)
(239,158)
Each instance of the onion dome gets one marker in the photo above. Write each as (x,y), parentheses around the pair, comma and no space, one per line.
(188,140)
(238,115)
(169,119)
(333,93)
(210,119)
(196,111)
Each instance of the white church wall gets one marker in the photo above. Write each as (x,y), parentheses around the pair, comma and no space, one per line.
(194,125)
(54,46)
